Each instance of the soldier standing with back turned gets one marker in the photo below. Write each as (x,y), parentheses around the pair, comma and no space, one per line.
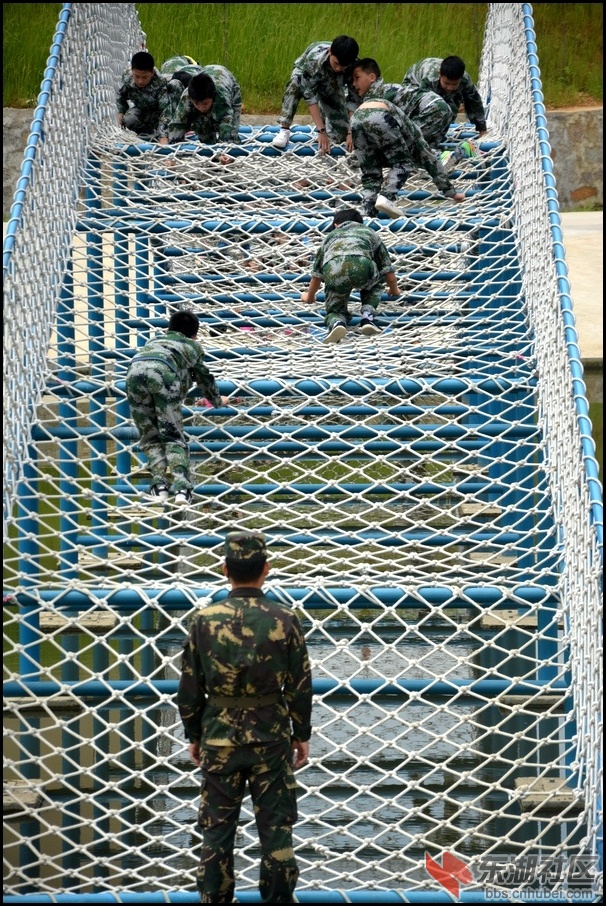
(245,701)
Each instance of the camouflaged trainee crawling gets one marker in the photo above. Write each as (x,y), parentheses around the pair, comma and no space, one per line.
(313,80)
(351,257)
(384,137)
(157,381)
(146,110)
(221,122)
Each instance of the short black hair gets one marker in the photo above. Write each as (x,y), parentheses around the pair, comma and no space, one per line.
(241,571)
(345,49)
(347,214)
(452,67)
(142,60)
(368,65)
(185,322)
(202,87)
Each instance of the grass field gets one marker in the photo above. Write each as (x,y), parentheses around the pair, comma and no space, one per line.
(258,42)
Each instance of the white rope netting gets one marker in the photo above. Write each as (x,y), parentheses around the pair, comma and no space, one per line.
(425,495)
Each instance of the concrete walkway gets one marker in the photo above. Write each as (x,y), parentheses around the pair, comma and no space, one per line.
(584,257)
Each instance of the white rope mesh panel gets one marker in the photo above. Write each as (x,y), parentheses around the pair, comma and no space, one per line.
(427,494)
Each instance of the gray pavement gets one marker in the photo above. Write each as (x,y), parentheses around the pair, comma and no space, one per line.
(584,256)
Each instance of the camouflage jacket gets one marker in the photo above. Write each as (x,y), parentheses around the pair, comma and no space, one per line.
(425,76)
(316,76)
(155,101)
(223,119)
(182,356)
(351,238)
(180,64)
(413,142)
(389,91)
(245,645)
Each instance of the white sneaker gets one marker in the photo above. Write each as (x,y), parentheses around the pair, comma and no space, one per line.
(386,206)
(449,161)
(336,332)
(158,493)
(182,498)
(368,326)
(282,139)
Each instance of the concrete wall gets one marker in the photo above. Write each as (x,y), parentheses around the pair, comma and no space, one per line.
(575,137)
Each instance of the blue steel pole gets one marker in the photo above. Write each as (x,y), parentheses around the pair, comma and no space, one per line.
(68,415)
(142,284)
(97,408)
(122,311)
(28,497)
(101,752)
(71,741)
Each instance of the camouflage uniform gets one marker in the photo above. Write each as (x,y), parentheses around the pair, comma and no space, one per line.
(388,138)
(314,80)
(180,64)
(157,381)
(179,70)
(379,90)
(222,121)
(351,257)
(244,693)
(146,110)
(434,109)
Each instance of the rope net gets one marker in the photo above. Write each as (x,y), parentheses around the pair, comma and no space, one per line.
(429,497)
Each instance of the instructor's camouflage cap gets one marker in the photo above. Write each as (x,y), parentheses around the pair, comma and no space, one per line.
(245,545)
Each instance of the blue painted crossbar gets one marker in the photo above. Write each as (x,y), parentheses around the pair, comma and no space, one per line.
(326,536)
(429,688)
(473,383)
(225,435)
(414,276)
(461,597)
(267,132)
(335,489)
(192,279)
(357,410)
(118,219)
(426,250)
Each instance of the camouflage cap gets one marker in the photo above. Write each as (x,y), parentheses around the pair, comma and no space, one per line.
(245,545)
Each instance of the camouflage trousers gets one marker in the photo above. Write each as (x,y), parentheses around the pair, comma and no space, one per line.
(341,276)
(271,782)
(139,121)
(207,131)
(379,143)
(154,396)
(433,116)
(331,103)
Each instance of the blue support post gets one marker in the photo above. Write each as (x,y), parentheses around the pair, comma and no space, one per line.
(97,408)
(67,460)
